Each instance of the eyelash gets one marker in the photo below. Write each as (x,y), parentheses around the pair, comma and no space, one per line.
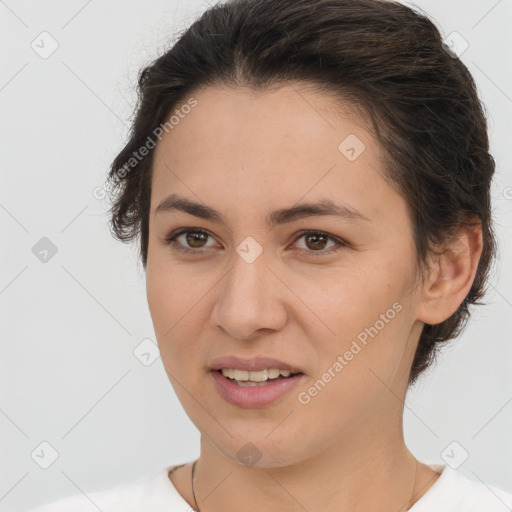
(171,241)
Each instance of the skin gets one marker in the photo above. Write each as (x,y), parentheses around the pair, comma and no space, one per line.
(246,153)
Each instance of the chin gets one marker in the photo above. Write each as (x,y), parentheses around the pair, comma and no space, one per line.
(259,451)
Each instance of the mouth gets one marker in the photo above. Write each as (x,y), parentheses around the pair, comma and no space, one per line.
(256,382)
(265,377)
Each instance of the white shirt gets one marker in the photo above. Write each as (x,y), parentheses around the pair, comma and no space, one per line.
(452,492)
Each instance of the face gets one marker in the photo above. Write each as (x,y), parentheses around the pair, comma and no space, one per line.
(330,294)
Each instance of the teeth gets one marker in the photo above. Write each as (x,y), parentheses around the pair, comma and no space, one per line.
(273,374)
(256,376)
(240,375)
(228,373)
(260,376)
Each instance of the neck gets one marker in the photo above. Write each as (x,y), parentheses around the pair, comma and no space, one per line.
(365,469)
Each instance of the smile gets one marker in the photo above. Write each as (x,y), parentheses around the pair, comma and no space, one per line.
(254,378)
(246,389)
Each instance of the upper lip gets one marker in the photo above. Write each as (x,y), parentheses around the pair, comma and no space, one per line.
(253,364)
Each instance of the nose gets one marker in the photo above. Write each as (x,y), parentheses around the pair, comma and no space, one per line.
(250,301)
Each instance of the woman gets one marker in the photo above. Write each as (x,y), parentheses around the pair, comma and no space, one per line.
(310,184)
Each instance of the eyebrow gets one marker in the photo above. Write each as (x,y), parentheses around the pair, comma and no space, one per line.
(274,218)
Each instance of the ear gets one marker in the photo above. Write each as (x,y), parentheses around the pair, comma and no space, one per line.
(451,276)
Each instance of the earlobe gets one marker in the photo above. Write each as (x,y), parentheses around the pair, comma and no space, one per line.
(451,275)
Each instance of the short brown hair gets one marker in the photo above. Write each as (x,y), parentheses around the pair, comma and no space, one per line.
(383,57)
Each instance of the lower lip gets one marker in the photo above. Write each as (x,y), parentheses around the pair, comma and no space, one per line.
(254,396)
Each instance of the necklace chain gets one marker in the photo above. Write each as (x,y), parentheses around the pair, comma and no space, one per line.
(197,509)
(193,486)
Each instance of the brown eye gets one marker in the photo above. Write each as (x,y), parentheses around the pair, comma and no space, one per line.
(316,241)
(189,240)
(196,239)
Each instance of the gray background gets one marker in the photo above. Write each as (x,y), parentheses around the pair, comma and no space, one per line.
(70,325)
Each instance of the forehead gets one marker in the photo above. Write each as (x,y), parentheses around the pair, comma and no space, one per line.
(250,149)
(244,118)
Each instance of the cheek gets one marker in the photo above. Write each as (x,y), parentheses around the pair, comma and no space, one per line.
(349,301)
(166,304)
(171,294)
(161,299)
(174,300)
(357,367)
(369,316)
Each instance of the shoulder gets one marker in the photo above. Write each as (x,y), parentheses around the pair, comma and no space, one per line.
(154,492)
(454,492)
